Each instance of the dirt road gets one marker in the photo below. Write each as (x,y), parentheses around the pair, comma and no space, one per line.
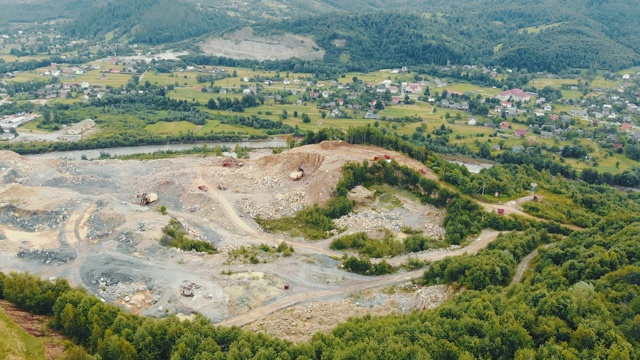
(486,237)
(483,240)
(513,208)
(299,298)
(524,265)
(252,232)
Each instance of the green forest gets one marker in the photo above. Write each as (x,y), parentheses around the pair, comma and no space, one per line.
(148,21)
(393,39)
(365,35)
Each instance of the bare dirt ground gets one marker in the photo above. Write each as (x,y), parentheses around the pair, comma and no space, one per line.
(244,44)
(80,220)
(35,326)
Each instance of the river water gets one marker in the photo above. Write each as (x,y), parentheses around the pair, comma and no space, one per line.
(148,149)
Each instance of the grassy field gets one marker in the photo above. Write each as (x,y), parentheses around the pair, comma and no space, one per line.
(465,87)
(94,77)
(32,127)
(171,128)
(555,83)
(9,58)
(601,82)
(630,71)
(378,77)
(17,344)
(25,76)
(190,93)
(537,29)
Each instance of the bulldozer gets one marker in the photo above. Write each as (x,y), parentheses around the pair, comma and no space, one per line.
(297,175)
(147,198)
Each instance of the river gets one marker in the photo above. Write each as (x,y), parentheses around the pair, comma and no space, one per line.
(148,149)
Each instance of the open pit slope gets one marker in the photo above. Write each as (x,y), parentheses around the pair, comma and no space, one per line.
(81,220)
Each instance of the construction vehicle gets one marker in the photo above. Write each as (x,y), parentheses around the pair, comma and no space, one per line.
(147,198)
(202,188)
(297,175)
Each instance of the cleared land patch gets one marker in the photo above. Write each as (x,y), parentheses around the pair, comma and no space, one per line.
(243,44)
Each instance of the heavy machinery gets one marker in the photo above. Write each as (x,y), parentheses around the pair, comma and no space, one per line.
(202,188)
(297,175)
(147,198)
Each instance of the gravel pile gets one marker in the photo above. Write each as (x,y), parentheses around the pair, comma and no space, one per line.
(371,220)
(49,257)
(32,220)
(119,290)
(283,205)
(432,296)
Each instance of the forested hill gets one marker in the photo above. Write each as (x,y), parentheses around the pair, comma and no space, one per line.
(549,35)
(41,10)
(149,21)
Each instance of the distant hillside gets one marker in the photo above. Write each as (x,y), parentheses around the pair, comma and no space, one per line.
(537,35)
(41,10)
(149,21)
(549,35)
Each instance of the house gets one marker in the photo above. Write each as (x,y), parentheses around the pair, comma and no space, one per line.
(371,115)
(635,135)
(582,113)
(547,108)
(336,113)
(413,88)
(625,127)
(472,121)
(78,128)
(496,147)
(617,146)
(516,148)
(521,133)
(395,100)
(554,117)
(515,95)
(505,125)
(546,134)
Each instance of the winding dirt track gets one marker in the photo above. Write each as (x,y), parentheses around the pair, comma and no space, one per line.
(513,208)
(485,238)
(252,231)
